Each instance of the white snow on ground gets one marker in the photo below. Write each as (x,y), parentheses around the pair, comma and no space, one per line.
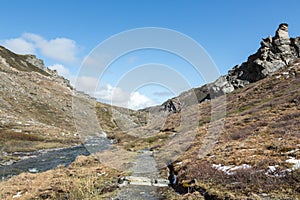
(295,162)
(272,171)
(230,169)
(272,168)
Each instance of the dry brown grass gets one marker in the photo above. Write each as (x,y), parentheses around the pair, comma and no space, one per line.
(24,142)
(86,178)
(261,127)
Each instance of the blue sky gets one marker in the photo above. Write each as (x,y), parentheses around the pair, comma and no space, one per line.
(64,32)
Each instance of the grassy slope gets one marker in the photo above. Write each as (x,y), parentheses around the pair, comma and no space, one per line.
(261,128)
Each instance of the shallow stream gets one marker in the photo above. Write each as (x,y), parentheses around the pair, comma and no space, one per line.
(43,160)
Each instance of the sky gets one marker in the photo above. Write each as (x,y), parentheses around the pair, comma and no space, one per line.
(70,36)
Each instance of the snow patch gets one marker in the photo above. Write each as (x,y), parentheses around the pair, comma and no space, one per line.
(272,168)
(295,162)
(272,171)
(230,170)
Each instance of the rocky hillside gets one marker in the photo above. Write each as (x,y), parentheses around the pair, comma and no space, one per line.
(275,53)
(36,107)
(35,103)
(257,154)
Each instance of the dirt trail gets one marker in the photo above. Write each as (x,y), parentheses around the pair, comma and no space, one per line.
(145,180)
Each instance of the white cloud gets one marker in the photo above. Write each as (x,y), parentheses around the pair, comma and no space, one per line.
(19,45)
(116,96)
(59,49)
(138,101)
(105,92)
(110,94)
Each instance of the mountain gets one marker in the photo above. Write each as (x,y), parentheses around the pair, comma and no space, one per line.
(238,139)
(37,107)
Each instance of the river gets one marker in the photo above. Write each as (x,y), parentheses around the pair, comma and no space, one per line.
(40,161)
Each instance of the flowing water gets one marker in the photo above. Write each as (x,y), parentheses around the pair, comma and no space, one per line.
(40,161)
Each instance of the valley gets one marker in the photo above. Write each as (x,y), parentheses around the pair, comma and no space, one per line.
(240,140)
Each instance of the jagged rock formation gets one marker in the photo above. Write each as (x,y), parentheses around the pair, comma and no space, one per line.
(275,53)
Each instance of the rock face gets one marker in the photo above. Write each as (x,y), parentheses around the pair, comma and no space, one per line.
(275,53)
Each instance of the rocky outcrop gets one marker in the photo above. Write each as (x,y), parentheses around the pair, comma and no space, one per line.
(32,59)
(275,53)
(10,61)
(38,63)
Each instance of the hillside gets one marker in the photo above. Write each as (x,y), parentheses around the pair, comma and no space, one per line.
(240,139)
(36,107)
(257,155)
